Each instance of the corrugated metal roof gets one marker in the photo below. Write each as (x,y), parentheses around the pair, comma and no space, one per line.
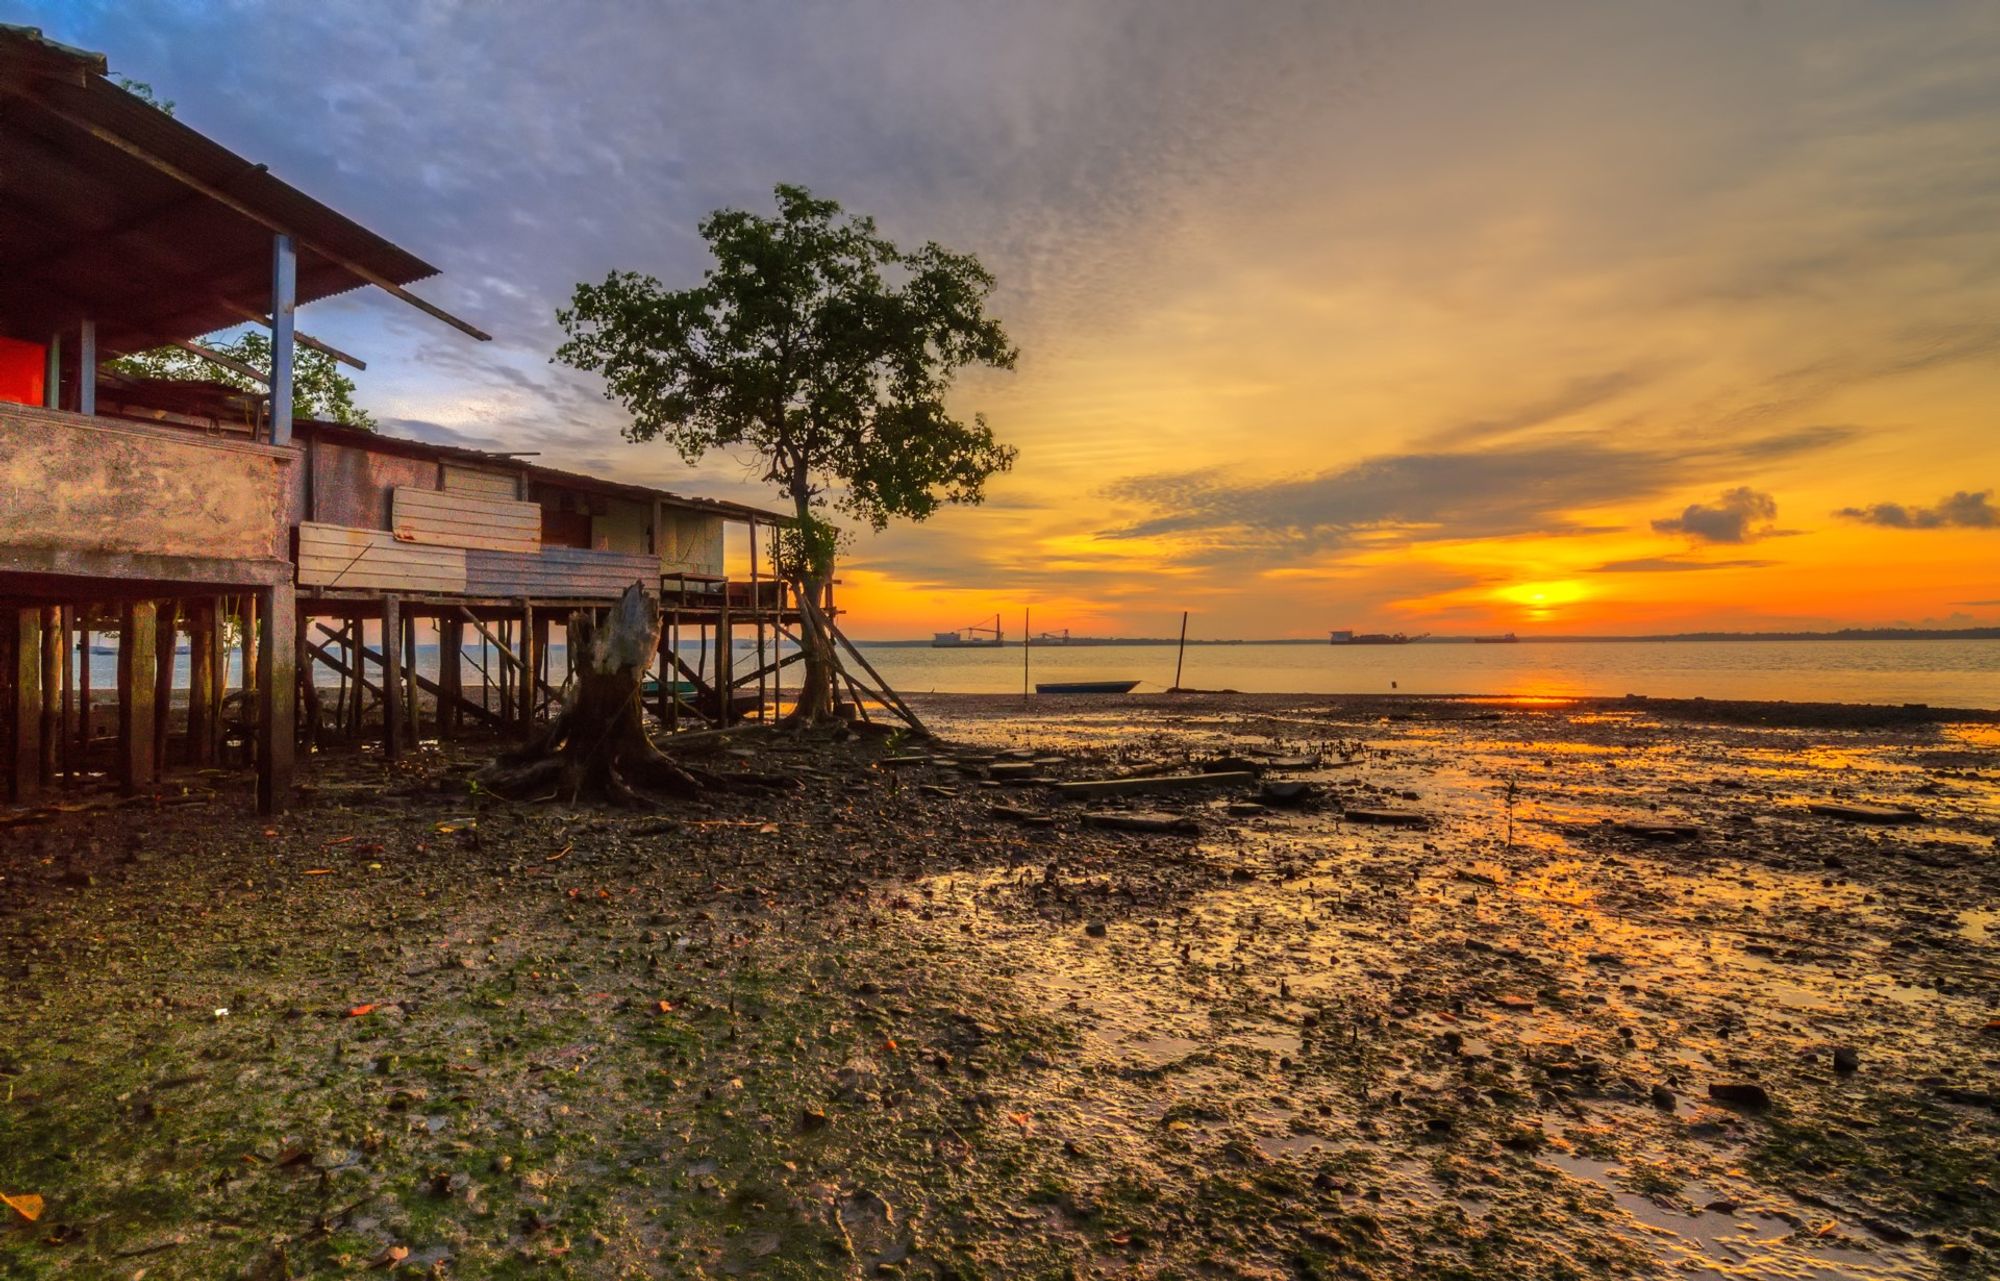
(87,230)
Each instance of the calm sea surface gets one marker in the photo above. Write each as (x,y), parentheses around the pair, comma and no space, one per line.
(1943,673)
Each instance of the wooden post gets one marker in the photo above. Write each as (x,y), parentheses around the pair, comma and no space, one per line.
(392,678)
(277,698)
(357,659)
(83,686)
(308,687)
(135,695)
(25,704)
(529,665)
(670,677)
(451,676)
(201,682)
(413,710)
(539,670)
(65,625)
(725,663)
(1180,653)
(52,374)
(249,640)
(163,683)
(52,680)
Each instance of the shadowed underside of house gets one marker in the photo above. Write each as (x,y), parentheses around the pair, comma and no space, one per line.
(146,511)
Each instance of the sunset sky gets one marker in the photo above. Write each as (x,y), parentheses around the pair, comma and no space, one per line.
(1588,317)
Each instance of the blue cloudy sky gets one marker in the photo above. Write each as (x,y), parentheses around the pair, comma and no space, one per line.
(1419,314)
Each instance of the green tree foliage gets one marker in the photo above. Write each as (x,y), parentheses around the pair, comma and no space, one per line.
(819,346)
(319,389)
(144,92)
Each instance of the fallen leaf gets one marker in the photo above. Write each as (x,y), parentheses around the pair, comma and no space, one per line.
(319,871)
(666,1007)
(391,1256)
(360,1010)
(27,1205)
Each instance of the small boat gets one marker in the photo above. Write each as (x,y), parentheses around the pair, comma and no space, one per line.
(1086,687)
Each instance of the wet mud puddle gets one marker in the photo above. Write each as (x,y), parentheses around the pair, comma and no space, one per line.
(1484,1039)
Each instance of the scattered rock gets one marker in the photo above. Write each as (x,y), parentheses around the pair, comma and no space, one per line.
(1741,1093)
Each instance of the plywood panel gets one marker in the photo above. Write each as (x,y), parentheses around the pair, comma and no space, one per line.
(690,542)
(558,571)
(465,520)
(485,484)
(364,559)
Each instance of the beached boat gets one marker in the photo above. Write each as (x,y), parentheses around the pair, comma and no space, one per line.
(1086,687)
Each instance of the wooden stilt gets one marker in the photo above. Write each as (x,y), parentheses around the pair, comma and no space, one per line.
(308,685)
(65,624)
(163,682)
(220,605)
(83,685)
(412,709)
(392,677)
(277,686)
(24,666)
(51,673)
(357,659)
(249,640)
(451,677)
(201,625)
(135,695)
(530,688)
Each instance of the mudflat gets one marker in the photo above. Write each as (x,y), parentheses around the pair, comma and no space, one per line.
(1604,994)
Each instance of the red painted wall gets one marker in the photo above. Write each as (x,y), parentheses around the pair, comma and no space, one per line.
(23,366)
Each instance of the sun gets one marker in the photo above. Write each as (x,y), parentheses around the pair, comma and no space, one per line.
(1541,599)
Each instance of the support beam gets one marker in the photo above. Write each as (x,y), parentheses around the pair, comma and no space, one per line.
(83,720)
(135,695)
(451,677)
(284,302)
(257,317)
(52,694)
(221,361)
(163,683)
(392,678)
(530,686)
(24,653)
(66,627)
(427,685)
(201,683)
(86,368)
(277,698)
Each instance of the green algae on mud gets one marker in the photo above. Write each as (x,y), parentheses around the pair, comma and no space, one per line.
(890,1042)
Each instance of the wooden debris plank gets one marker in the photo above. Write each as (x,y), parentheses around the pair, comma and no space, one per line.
(1391,818)
(1857,813)
(1140,822)
(464,520)
(1027,818)
(1158,783)
(1654,830)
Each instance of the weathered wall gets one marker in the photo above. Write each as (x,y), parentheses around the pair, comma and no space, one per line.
(622,526)
(354,487)
(690,543)
(97,484)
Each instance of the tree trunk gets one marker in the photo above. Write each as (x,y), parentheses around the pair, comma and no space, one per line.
(816,695)
(595,748)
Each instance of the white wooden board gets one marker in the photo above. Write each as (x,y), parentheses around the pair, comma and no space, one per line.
(465,520)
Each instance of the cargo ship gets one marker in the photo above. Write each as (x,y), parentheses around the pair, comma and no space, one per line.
(1371,638)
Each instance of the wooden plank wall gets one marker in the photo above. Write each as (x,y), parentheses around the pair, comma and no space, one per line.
(558,571)
(485,484)
(465,520)
(337,556)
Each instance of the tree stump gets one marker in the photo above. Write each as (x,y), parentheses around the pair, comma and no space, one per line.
(596,747)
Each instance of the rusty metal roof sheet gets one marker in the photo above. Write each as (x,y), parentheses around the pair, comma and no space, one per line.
(90,230)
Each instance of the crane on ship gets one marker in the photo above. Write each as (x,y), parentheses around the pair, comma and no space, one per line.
(972,636)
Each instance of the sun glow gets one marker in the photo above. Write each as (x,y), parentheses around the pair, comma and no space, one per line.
(1542,599)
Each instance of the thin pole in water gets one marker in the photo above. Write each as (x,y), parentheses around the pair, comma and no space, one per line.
(1180,653)
(1024,656)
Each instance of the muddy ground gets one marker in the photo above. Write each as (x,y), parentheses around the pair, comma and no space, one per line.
(872,1027)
